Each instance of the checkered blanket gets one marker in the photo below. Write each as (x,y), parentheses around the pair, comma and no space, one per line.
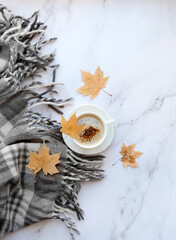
(22,200)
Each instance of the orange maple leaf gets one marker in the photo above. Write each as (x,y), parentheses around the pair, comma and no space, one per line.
(93,83)
(44,161)
(70,127)
(129,156)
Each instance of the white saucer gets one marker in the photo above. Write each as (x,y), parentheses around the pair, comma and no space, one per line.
(110,130)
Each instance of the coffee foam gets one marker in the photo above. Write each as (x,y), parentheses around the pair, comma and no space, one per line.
(93,121)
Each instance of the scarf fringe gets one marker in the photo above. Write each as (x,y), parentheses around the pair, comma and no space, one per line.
(75,169)
(25,59)
(61,213)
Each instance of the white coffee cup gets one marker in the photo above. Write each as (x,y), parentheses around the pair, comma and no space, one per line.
(105,126)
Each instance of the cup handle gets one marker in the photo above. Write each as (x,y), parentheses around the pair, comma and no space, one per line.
(110,121)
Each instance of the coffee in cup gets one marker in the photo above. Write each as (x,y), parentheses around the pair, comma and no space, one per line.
(93,131)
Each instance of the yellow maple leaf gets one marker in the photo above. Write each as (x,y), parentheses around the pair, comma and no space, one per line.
(71,127)
(129,156)
(44,161)
(93,83)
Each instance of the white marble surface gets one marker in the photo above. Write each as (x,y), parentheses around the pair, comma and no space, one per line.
(135,43)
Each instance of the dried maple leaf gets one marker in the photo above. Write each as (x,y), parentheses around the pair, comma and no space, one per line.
(70,127)
(44,161)
(93,83)
(129,156)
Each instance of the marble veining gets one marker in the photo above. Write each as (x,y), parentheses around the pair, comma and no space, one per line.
(134,42)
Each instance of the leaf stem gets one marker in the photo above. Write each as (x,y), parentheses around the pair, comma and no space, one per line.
(116,162)
(107,92)
(37,176)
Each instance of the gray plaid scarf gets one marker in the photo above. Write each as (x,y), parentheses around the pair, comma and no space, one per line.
(22,200)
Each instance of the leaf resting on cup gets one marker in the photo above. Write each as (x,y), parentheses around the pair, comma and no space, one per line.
(71,127)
